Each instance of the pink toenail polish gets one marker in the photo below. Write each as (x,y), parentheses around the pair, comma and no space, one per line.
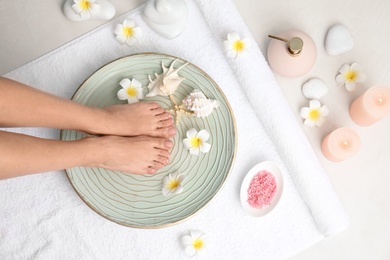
(172,131)
(168,144)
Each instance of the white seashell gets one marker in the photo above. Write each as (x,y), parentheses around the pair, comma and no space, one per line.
(314,89)
(166,83)
(199,104)
(338,40)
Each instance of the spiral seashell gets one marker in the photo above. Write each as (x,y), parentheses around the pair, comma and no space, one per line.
(166,83)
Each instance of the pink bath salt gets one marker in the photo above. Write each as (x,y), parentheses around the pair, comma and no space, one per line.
(262,189)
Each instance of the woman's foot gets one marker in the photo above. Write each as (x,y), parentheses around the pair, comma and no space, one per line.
(137,155)
(139,119)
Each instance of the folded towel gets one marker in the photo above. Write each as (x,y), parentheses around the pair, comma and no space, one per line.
(43,218)
(273,110)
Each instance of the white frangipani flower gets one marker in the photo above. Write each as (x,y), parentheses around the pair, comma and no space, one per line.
(350,76)
(195,244)
(315,114)
(131,90)
(197,141)
(85,8)
(235,46)
(172,184)
(128,33)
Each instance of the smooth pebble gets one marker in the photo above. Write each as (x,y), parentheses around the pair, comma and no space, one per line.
(338,40)
(314,89)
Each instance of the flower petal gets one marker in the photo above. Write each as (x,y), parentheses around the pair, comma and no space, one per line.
(166,191)
(187,143)
(320,121)
(131,100)
(227,46)
(125,83)
(140,93)
(94,8)
(350,86)
(118,29)
(121,39)
(202,252)
(195,234)
(191,133)
(190,251)
(86,14)
(315,104)
(177,190)
(129,23)
(122,94)
(204,135)
(186,240)
(166,181)
(77,8)
(305,112)
(131,41)
(247,42)
(355,67)
(340,79)
(181,177)
(205,147)
(344,69)
(232,54)
(233,36)
(324,111)
(194,151)
(309,122)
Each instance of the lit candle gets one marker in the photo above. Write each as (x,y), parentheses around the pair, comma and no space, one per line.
(341,144)
(371,106)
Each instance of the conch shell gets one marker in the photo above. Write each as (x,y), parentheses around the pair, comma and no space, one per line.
(166,83)
(199,104)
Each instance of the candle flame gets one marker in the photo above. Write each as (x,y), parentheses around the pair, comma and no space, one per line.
(345,144)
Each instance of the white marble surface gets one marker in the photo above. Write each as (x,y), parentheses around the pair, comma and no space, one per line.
(29,29)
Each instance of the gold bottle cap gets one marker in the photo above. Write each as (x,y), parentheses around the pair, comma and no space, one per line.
(294,45)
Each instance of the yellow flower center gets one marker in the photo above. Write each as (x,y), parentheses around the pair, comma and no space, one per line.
(314,114)
(196,142)
(198,244)
(131,91)
(351,75)
(173,184)
(85,4)
(238,45)
(128,32)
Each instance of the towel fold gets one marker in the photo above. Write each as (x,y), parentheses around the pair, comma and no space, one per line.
(43,218)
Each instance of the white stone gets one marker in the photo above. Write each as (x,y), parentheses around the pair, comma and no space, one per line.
(106,11)
(338,40)
(314,89)
(166,17)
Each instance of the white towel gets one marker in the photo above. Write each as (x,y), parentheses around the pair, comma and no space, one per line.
(43,218)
